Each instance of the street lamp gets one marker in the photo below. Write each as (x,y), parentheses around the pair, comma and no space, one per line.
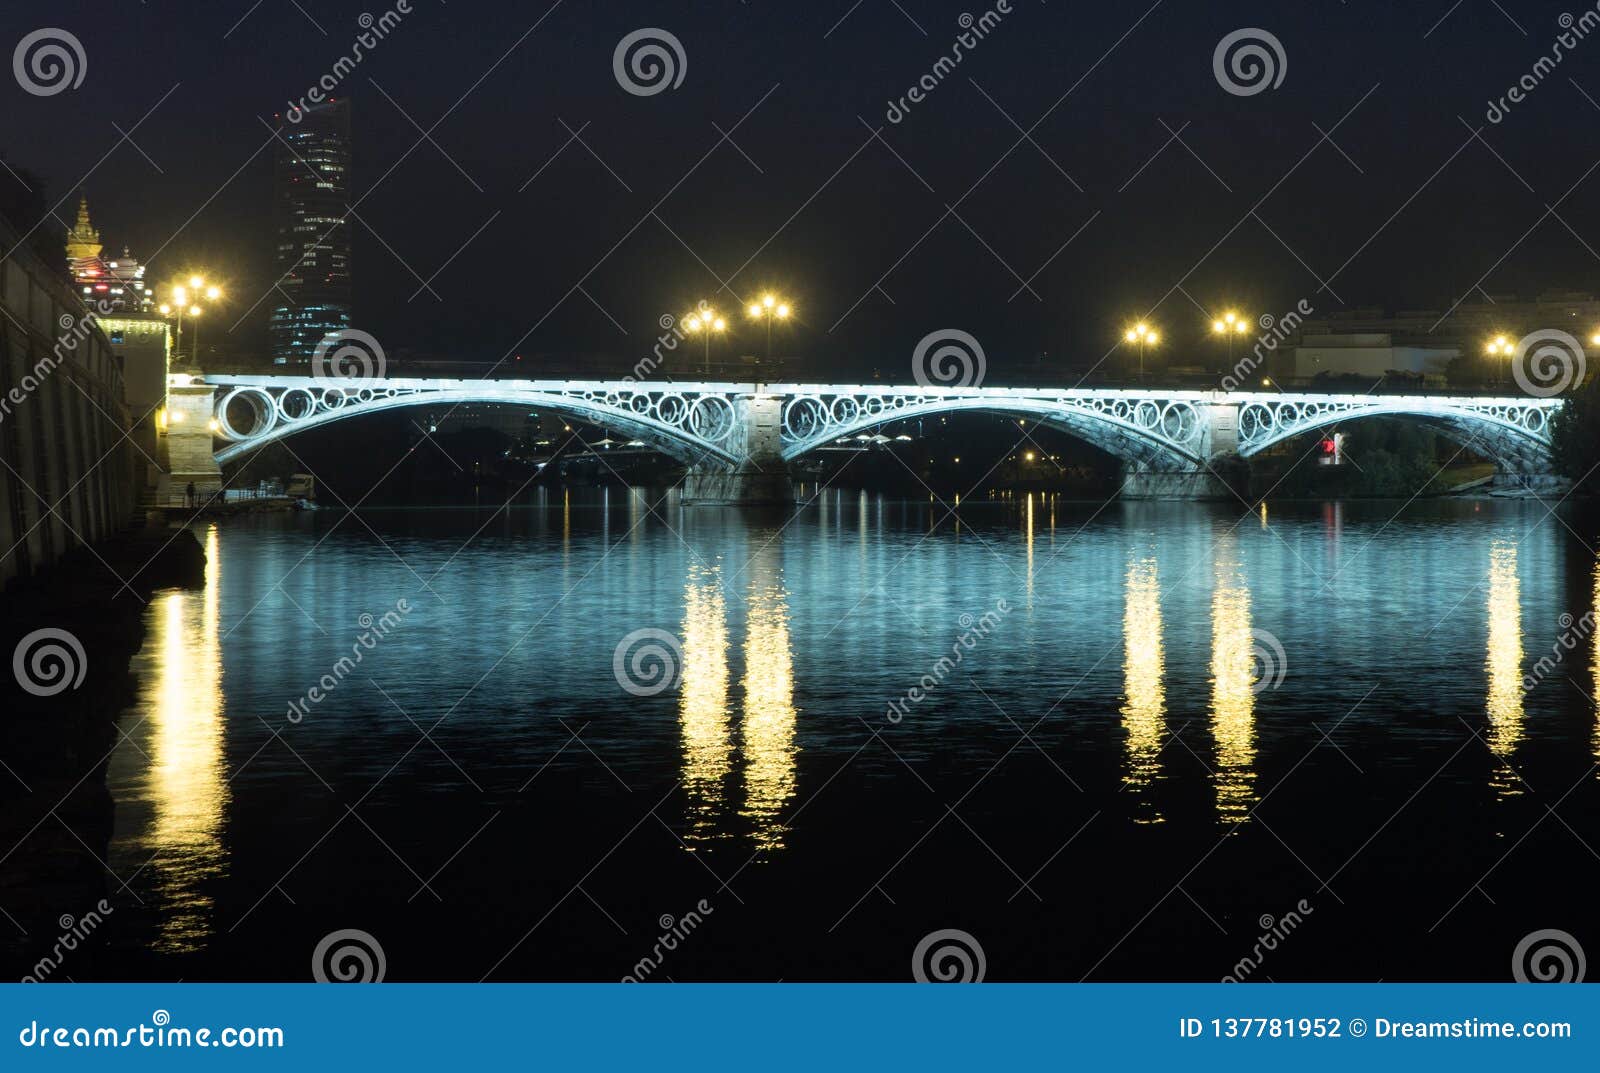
(1230,324)
(705,320)
(1499,346)
(770,308)
(186,299)
(1145,336)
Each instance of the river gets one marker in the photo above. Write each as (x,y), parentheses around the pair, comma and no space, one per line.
(1135,741)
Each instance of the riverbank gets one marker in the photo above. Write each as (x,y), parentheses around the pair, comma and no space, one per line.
(61,698)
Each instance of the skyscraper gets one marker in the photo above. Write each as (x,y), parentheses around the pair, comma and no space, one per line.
(310,193)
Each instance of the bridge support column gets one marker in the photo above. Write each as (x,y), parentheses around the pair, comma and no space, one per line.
(761,478)
(191,456)
(1141,482)
(1225,477)
(1510,482)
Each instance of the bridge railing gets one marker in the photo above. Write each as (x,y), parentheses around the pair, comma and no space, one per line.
(679,370)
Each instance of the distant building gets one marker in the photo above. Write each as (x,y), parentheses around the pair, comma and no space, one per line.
(83,241)
(310,195)
(124,308)
(119,281)
(1470,324)
(1368,354)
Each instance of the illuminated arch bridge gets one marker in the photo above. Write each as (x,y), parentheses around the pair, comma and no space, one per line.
(1169,441)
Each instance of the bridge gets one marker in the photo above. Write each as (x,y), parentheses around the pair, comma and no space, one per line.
(737,440)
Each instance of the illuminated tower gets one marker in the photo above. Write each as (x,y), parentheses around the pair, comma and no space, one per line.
(310,195)
(83,241)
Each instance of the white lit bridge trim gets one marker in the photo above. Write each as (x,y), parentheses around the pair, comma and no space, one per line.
(694,422)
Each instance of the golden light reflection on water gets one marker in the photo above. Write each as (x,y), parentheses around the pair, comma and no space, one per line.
(703,701)
(1144,711)
(184,780)
(1232,681)
(1504,663)
(769,712)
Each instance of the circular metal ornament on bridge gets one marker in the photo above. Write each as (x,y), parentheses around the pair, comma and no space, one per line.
(712,417)
(296,404)
(1179,422)
(672,410)
(844,410)
(803,417)
(262,405)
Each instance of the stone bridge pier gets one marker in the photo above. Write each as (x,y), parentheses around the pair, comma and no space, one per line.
(190,433)
(761,476)
(1215,474)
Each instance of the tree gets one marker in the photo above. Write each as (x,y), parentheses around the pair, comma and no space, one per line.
(1575,435)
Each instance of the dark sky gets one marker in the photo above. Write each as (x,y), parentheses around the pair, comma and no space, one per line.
(821,209)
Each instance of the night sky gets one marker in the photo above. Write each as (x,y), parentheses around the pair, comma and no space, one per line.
(641,217)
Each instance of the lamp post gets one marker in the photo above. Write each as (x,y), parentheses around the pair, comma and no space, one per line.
(770,308)
(186,301)
(1500,345)
(705,320)
(1230,324)
(1145,336)
(194,330)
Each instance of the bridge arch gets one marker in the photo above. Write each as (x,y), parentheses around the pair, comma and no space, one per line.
(1161,430)
(694,423)
(1514,432)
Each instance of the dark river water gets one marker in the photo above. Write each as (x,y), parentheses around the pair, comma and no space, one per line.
(1117,743)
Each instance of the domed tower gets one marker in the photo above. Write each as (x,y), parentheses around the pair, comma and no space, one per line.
(83,241)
